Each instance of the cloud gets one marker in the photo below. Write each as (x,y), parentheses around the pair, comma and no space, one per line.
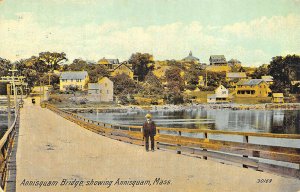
(284,28)
(24,37)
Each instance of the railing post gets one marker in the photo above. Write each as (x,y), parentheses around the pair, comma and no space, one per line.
(245,140)
(157,143)
(205,139)
(178,145)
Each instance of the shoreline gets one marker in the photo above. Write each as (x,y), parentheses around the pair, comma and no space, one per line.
(153,108)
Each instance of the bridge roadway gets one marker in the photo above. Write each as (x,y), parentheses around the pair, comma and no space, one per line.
(51,148)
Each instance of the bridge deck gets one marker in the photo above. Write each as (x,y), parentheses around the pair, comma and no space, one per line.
(51,148)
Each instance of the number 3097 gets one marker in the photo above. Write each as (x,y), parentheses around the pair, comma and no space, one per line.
(264,181)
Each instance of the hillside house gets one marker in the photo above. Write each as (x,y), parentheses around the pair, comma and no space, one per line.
(102,91)
(123,68)
(70,79)
(234,77)
(252,88)
(109,63)
(191,59)
(217,60)
(234,63)
(221,95)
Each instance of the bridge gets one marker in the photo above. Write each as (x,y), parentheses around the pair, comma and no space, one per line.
(48,149)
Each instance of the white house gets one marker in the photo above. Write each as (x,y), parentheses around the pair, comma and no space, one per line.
(221,92)
(103,91)
(221,95)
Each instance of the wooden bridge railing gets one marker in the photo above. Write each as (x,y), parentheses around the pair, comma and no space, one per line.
(182,140)
(6,144)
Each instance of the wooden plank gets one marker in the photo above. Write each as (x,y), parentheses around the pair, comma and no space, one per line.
(211,145)
(279,170)
(257,147)
(212,154)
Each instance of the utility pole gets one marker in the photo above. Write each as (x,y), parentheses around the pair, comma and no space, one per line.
(49,78)
(8,105)
(205,77)
(14,87)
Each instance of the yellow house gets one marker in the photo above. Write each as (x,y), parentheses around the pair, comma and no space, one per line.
(277,98)
(109,63)
(252,88)
(122,68)
(70,79)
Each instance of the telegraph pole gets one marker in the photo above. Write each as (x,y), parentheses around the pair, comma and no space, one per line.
(8,105)
(205,77)
(14,86)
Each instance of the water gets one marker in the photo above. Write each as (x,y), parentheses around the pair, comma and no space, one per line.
(268,121)
(3,123)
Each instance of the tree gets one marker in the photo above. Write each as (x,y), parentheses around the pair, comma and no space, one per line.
(124,85)
(52,59)
(174,63)
(174,79)
(284,70)
(175,85)
(192,76)
(152,85)
(260,71)
(78,65)
(95,71)
(141,64)
(5,65)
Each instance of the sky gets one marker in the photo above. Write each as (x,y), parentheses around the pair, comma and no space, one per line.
(252,31)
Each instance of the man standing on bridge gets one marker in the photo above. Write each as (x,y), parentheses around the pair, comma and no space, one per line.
(149,130)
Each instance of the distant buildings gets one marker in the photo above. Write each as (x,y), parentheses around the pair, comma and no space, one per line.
(73,79)
(102,91)
(252,88)
(191,59)
(217,60)
(218,63)
(221,95)
(234,77)
(123,68)
(109,63)
(234,62)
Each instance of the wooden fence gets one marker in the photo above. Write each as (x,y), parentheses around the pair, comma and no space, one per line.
(202,143)
(6,145)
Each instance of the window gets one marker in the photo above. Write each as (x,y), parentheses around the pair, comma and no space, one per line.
(71,80)
(107,92)
(105,84)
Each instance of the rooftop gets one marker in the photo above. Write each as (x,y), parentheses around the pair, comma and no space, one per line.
(93,86)
(250,82)
(236,75)
(278,95)
(74,75)
(217,59)
(190,57)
